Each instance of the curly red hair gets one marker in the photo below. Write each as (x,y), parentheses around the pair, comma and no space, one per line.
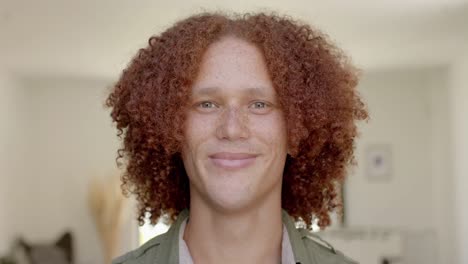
(315,84)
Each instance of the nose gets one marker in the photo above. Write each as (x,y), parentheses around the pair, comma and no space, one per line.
(233,125)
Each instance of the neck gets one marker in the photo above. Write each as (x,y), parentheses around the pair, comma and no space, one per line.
(250,236)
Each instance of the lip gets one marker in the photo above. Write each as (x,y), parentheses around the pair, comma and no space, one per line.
(229,160)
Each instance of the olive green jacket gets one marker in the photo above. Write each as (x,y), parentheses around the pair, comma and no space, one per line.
(308,248)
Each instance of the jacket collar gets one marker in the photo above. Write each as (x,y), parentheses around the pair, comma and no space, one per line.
(169,252)
(300,252)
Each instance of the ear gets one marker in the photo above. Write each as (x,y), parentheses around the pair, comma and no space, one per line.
(24,245)
(65,243)
(21,252)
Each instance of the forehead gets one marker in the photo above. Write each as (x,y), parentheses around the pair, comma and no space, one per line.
(213,90)
(233,64)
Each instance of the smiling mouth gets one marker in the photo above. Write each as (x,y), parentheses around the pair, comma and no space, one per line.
(227,160)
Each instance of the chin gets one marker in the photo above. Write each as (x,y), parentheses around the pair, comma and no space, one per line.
(230,200)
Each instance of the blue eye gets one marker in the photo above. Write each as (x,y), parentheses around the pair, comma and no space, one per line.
(260,104)
(206,104)
(259,107)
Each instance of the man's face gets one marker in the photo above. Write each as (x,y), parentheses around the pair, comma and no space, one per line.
(236,139)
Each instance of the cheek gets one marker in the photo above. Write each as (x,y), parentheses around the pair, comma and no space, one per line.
(272,130)
(197,130)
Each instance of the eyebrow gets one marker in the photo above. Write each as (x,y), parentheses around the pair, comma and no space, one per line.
(214,90)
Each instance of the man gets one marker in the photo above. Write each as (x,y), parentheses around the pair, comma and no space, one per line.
(235,128)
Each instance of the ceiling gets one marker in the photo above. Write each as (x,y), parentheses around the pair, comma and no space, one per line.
(97,38)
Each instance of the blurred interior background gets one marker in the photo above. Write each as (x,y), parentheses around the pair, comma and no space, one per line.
(405,202)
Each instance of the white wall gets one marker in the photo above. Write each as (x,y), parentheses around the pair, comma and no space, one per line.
(69,139)
(441,167)
(459,118)
(5,99)
(408,109)
(399,111)
(12,122)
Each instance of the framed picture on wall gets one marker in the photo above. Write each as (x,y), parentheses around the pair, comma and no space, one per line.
(379,162)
